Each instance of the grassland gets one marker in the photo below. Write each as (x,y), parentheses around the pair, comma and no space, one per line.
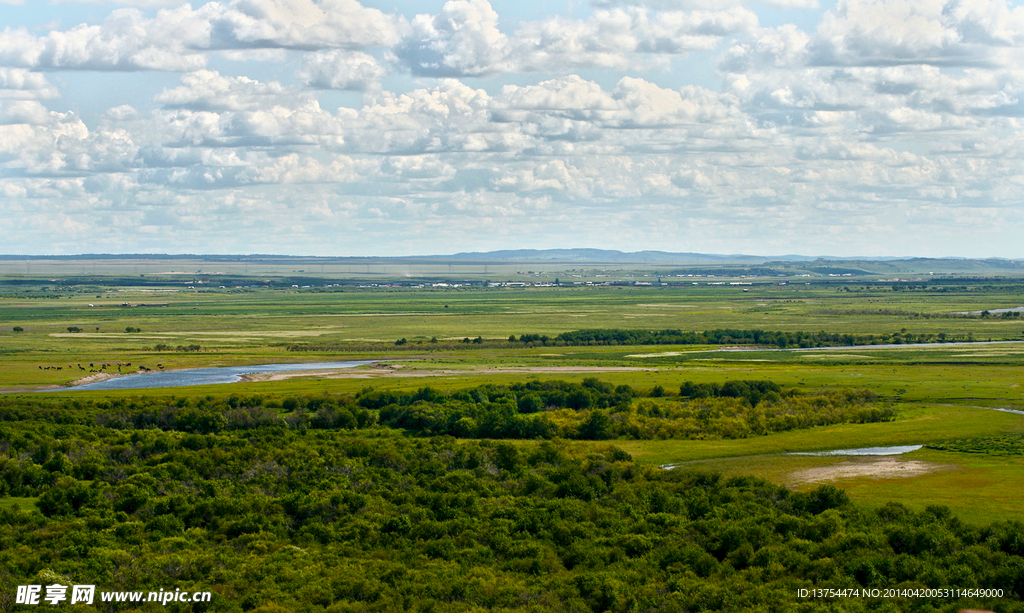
(942,392)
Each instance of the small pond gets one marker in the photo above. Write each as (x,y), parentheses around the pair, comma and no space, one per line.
(898,450)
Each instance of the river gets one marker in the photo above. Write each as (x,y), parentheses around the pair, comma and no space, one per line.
(207,376)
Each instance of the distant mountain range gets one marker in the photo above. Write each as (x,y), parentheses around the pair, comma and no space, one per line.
(669,257)
(605,255)
(819,264)
(611,255)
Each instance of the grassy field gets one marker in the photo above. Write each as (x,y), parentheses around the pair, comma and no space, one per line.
(942,392)
(236,327)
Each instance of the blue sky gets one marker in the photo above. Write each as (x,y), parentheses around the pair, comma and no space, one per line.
(334,127)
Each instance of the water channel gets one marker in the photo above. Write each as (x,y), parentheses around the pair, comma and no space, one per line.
(207,376)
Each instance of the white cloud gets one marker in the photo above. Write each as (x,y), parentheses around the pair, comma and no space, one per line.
(341,69)
(669,5)
(125,41)
(175,39)
(464,39)
(22,84)
(140,3)
(35,140)
(255,55)
(296,24)
(936,32)
(615,38)
(206,90)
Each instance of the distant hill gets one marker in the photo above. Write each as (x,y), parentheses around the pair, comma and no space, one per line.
(610,255)
(713,263)
(817,264)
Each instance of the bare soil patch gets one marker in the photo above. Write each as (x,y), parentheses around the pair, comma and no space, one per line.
(886,468)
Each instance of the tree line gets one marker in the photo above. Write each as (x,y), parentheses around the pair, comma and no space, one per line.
(767,338)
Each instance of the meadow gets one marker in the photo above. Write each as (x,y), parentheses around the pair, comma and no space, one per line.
(957,401)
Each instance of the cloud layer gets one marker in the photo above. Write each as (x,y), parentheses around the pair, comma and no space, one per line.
(893,126)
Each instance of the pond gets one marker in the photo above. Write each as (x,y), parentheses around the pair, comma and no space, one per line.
(897,450)
(207,376)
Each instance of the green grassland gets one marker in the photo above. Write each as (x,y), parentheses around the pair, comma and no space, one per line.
(937,389)
(234,327)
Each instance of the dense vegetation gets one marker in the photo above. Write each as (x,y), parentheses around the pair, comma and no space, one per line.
(772,338)
(273,518)
(595,410)
(1006,445)
(591,410)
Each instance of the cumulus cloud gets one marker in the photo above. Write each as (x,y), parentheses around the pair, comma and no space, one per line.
(125,41)
(464,39)
(341,69)
(175,39)
(206,90)
(20,83)
(704,4)
(614,38)
(936,32)
(932,71)
(140,3)
(880,33)
(37,141)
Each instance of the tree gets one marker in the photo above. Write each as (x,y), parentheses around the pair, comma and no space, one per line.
(18,329)
(596,426)
(530,403)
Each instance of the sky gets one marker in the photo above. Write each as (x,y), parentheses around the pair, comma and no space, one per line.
(334,127)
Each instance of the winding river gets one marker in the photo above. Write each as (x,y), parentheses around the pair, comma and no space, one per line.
(207,376)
